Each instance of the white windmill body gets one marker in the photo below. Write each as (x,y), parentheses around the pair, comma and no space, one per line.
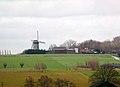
(35,44)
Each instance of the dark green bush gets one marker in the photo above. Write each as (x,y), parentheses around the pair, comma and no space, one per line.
(105,76)
(32,51)
(5,65)
(21,65)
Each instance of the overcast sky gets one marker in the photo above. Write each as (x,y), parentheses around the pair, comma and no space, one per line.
(56,21)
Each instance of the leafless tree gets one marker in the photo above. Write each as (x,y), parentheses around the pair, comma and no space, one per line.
(116,43)
(106,46)
(91,44)
(69,44)
(52,46)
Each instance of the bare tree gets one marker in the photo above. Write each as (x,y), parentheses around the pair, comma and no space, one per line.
(106,46)
(52,46)
(91,44)
(69,44)
(44,81)
(29,82)
(116,43)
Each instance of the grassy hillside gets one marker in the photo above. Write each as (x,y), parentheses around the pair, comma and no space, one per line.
(53,62)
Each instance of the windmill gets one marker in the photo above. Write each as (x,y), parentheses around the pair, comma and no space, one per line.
(35,43)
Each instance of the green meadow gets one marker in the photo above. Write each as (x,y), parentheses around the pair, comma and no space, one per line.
(53,61)
(58,66)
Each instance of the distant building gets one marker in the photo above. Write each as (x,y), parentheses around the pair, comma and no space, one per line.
(70,51)
(88,51)
(59,50)
(76,50)
(63,50)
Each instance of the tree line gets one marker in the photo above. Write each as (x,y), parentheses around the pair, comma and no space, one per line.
(106,46)
(45,81)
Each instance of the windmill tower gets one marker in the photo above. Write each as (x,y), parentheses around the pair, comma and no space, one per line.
(35,43)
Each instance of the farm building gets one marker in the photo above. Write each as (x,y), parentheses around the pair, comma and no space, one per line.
(88,51)
(62,50)
(59,50)
(70,51)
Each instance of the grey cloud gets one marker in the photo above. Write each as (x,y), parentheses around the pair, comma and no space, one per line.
(55,28)
(59,8)
(57,21)
(52,8)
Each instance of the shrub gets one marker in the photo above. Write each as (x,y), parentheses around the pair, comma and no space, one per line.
(29,82)
(41,66)
(5,65)
(105,76)
(21,65)
(63,83)
(44,81)
(32,51)
(93,64)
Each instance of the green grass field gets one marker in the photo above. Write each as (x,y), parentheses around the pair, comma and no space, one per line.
(58,66)
(53,62)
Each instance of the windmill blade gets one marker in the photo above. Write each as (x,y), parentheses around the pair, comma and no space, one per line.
(41,42)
